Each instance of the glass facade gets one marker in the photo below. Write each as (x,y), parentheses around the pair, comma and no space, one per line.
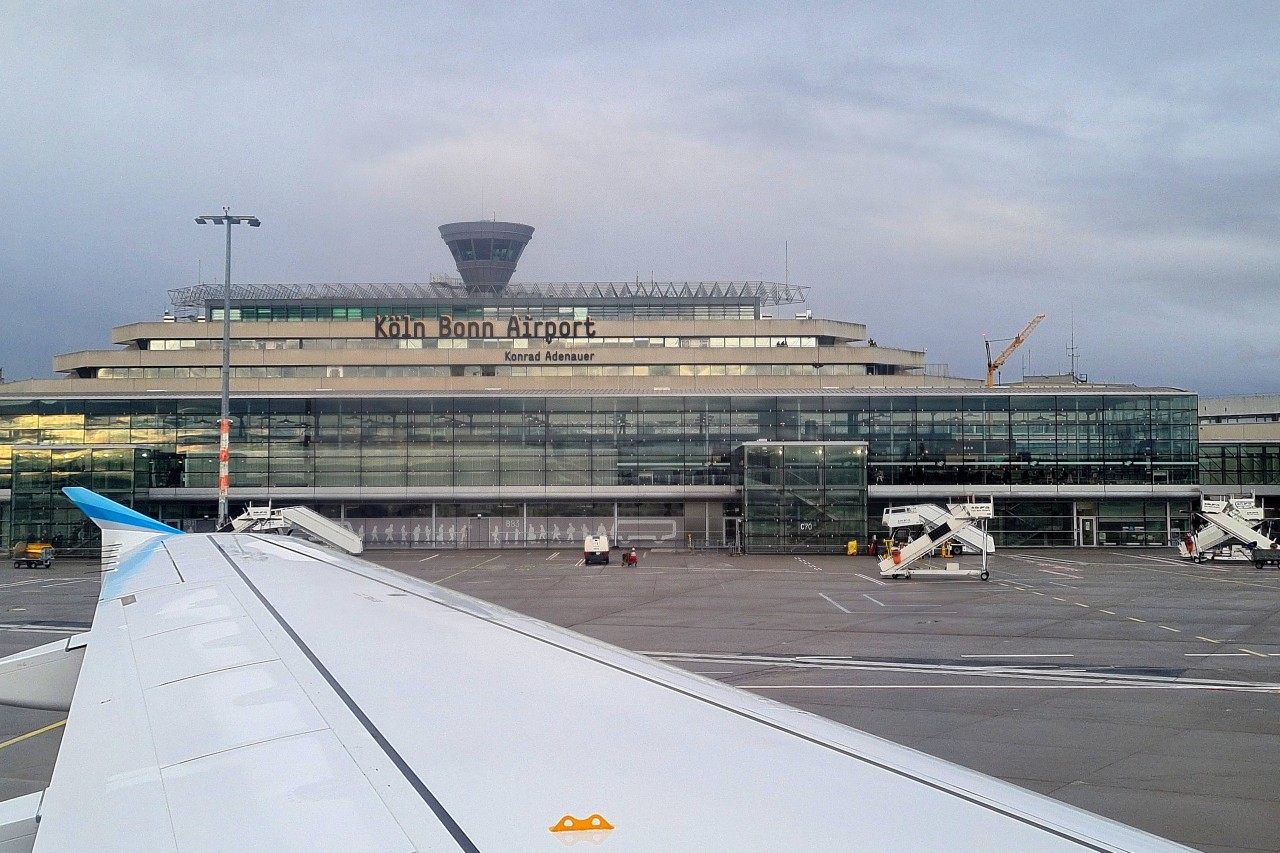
(802,496)
(666,309)
(1030,523)
(37,510)
(631,451)
(1238,466)
(1017,439)
(660,341)
(486,249)
(413,371)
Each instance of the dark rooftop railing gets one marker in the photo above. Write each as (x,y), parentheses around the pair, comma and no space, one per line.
(756,292)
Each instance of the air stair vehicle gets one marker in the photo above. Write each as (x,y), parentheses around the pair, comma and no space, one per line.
(965,523)
(286,520)
(1232,529)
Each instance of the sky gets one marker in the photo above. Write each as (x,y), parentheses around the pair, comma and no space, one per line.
(939,171)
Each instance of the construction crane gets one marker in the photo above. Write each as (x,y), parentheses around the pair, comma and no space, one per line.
(995,364)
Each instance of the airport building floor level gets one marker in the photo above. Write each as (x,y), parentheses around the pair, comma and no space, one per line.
(800,471)
(789,525)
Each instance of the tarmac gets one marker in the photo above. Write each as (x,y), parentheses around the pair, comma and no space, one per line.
(1124,681)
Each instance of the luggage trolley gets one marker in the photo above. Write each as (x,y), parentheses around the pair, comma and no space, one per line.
(32,555)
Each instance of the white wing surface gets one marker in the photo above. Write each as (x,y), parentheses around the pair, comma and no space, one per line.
(243,693)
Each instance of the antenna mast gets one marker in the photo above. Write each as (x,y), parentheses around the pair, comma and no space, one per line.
(1073,352)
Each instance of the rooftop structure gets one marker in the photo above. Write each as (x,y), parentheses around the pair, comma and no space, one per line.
(486,252)
(763,293)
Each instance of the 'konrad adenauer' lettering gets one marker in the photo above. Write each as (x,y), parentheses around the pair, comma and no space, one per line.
(404,326)
(548,355)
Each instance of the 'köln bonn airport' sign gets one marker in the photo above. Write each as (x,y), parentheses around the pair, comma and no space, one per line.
(404,326)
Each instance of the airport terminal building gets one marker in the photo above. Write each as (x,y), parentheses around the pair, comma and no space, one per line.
(477,412)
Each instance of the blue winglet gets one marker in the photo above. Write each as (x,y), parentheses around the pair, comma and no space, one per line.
(108,514)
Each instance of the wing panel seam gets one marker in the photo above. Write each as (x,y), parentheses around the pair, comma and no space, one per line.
(441,813)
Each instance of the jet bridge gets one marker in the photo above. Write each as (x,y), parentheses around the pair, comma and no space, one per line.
(1232,527)
(965,522)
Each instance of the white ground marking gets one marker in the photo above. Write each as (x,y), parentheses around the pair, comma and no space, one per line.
(1041,559)
(993,657)
(882,604)
(1168,561)
(1073,676)
(22,583)
(832,601)
(432,557)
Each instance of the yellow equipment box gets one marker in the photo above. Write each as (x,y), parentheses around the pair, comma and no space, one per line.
(32,555)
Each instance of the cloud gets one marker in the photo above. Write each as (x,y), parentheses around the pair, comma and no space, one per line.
(936,170)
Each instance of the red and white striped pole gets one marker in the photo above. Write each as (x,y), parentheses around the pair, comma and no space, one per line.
(224,467)
(224,422)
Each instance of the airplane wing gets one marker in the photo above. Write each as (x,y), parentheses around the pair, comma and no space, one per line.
(255,693)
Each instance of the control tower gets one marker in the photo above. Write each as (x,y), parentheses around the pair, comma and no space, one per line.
(486,252)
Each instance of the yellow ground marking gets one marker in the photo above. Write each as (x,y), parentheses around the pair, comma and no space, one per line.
(1136,619)
(52,726)
(1250,651)
(1236,581)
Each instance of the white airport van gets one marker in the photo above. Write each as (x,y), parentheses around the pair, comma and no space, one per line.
(595,549)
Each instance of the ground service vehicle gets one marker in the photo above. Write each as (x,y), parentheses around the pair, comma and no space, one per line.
(32,555)
(595,549)
(1265,557)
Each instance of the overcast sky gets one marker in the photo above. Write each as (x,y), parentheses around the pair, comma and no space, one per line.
(935,170)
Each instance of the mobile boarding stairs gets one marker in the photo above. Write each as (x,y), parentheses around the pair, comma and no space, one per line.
(289,519)
(1232,528)
(965,523)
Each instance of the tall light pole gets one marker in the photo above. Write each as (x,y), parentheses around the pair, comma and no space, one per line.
(224,424)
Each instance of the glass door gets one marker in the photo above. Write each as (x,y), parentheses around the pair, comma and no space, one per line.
(1088,532)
